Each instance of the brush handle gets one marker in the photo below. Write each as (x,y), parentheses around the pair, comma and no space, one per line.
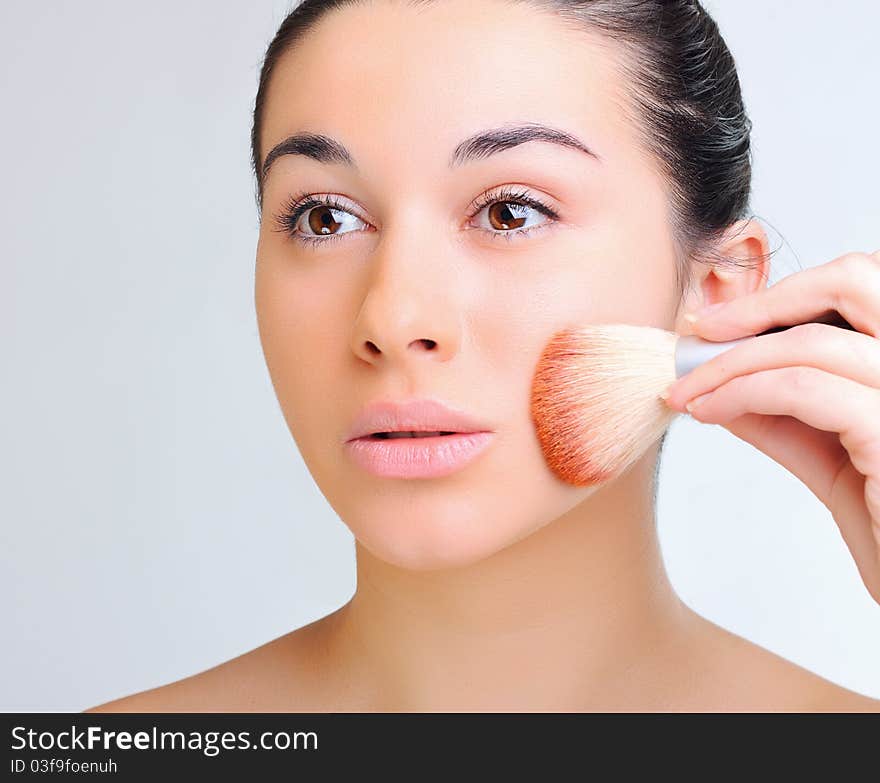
(691,351)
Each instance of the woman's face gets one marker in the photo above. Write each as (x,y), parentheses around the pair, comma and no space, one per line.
(417,249)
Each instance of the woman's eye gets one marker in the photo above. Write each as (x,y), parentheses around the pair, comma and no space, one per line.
(316,220)
(507,218)
(326,220)
(313,220)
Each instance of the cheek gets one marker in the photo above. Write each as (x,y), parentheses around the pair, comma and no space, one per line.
(287,301)
(638,242)
(619,271)
(301,345)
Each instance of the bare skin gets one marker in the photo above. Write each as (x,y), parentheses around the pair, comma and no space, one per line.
(711,670)
(498,588)
(678,661)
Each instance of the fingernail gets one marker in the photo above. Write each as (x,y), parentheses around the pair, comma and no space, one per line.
(703,312)
(697,401)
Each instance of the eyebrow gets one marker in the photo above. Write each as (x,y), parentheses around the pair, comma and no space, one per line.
(479,146)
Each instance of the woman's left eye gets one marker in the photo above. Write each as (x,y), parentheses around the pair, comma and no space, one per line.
(507,216)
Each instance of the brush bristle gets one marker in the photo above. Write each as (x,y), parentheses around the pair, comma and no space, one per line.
(596,400)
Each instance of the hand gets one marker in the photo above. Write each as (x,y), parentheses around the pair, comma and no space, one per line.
(808,397)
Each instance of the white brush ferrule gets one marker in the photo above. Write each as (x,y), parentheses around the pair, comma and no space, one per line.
(692,351)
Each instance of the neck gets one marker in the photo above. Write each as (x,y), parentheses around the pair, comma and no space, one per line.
(567,618)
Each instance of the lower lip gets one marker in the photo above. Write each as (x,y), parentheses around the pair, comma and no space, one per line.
(430,457)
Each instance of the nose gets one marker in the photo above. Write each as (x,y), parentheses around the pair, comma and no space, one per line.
(409,310)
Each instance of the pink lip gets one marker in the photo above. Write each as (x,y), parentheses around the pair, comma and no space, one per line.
(412,415)
(425,457)
(418,457)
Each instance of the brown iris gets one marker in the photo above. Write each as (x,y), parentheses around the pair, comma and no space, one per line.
(505,218)
(321,220)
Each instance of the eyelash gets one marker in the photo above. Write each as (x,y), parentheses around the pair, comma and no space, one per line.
(300,203)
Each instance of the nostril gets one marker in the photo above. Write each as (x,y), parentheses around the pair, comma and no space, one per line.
(430,344)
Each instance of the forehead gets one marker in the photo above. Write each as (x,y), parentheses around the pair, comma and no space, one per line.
(416,80)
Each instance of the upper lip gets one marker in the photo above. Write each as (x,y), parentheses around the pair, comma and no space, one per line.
(423,415)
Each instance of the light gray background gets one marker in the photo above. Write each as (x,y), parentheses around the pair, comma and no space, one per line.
(157,518)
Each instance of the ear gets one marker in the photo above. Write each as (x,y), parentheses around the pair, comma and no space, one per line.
(745,242)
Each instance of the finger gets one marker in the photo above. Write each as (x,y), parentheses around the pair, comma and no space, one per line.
(842,352)
(849,284)
(820,399)
(819,460)
(814,456)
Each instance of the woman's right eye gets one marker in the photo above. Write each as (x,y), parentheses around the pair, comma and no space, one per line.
(315,220)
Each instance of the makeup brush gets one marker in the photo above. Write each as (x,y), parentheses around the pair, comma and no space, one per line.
(596,401)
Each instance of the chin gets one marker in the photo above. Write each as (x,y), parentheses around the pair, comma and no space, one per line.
(445,528)
(449,522)
(422,528)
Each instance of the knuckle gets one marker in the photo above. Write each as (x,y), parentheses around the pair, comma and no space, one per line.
(857,264)
(835,346)
(857,277)
(862,352)
(801,379)
(739,384)
(854,349)
(812,332)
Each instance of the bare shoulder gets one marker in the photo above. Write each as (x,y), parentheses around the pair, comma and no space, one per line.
(748,677)
(835,698)
(281,675)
